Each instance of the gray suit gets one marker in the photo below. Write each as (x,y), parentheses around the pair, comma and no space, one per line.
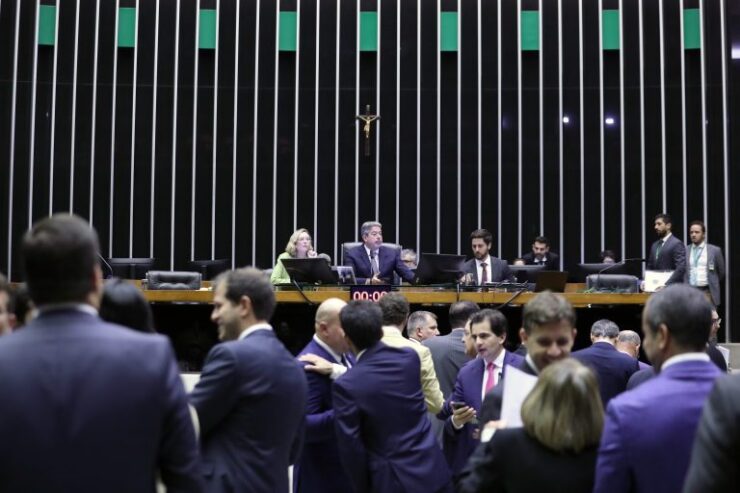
(498,270)
(715,270)
(448,355)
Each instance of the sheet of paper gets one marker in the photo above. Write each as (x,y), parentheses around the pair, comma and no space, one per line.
(517,387)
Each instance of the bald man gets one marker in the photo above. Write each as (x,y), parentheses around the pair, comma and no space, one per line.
(628,342)
(317,469)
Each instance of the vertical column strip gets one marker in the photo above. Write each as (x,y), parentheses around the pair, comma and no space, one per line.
(726,164)
(74,109)
(479,115)
(704,172)
(642,127)
(498,120)
(540,54)
(275,124)
(176,85)
(379,124)
(34,84)
(662,106)
(296,101)
(215,135)
(254,124)
(113,132)
(398,121)
(153,165)
(601,122)
(561,223)
(439,121)
(193,159)
(622,128)
(418,125)
(316,130)
(581,117)
(234,134)
(683,124)
(52,143)
(357,122)
(336,129)
(459,119)
(94,110)
(519,124)
(133,134)
(11,177)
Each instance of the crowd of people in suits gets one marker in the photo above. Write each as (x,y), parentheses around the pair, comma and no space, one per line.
(377,401)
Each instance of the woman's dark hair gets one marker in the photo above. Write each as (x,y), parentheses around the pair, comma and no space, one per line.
(123,304)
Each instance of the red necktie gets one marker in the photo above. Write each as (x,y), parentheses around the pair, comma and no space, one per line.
(491,380)
(484,274)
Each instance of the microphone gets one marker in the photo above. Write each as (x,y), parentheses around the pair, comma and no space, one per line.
(105,263)
(615,264)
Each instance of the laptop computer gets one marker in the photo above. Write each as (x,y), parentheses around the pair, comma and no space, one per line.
(552,280)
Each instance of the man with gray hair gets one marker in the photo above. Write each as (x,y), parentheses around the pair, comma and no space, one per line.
(374,263)
(422,325)
(628,342)
(612,367)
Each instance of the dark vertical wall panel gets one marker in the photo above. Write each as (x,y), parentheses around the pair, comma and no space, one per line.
(301,124)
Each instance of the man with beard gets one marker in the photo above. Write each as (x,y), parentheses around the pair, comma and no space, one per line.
(667,253)
(251,397)
(484,267)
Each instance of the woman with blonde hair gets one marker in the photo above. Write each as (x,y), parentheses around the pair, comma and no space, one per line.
(556,449)
(299,246)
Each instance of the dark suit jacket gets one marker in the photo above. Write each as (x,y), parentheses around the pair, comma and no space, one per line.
(317,469)
(251,404)
(498,270)
(514,462)
(640,377)
(649,431)
(459,444)
(385,439)
(715,270)
(612,368)
(552,262)
(491,408)
(90,406)
(672,257)
(389,262)
(448,354)
(716,453)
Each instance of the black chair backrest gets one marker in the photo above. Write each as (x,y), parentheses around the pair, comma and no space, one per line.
(620,283)
(164,279)
(130,268)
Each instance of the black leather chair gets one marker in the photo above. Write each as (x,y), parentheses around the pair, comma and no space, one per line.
(616,283)
(352,244)
(164,279)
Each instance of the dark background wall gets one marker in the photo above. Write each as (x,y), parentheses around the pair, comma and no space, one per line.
(179,146)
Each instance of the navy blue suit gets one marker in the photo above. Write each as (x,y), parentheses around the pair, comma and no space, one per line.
(251,403)
(317,469)
(385,439)
(459,444)
(389,262)
(649,431)
(90,406)
(613,368)
(672,257)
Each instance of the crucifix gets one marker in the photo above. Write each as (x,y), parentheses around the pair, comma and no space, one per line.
(368,119)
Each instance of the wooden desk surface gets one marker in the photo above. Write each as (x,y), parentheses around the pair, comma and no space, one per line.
(415,295)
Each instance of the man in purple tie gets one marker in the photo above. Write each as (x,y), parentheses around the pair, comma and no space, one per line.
(373,262)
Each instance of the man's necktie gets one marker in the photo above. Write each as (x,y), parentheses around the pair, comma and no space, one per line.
(484,273)
(345,362)
(491,380)
(657,250)
(374,262)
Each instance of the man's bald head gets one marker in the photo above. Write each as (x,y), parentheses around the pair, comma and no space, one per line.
(628,342)
(328,326)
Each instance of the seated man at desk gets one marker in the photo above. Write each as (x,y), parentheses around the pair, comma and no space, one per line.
(374,263)
(484,267)
(541,255)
